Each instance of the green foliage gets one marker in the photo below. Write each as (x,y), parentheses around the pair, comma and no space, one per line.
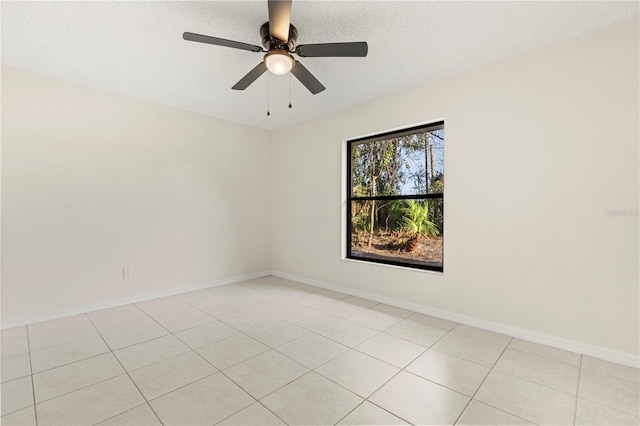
(417,219)
(362,222)
(396,214)
(409,215)
(400,165)
(437,183)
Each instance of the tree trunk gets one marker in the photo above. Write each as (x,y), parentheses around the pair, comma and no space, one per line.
(433,173)
(428,172)
(373,217)
(373,211)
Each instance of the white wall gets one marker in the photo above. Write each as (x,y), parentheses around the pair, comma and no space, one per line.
(93,182)
(537,147)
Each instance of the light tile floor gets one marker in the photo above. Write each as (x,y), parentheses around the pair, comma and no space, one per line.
(271,351)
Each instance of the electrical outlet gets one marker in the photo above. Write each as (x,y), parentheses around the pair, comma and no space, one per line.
(126,273)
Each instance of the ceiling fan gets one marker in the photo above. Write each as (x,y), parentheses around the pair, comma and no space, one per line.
(279,39)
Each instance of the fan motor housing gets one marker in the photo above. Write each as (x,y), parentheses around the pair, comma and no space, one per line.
(271,43)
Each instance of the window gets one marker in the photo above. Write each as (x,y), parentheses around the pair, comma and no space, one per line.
(395,190)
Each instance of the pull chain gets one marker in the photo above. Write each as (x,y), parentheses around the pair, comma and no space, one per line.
(289,90)
(268,94)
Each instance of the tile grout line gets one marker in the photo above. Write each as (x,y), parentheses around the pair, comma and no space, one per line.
(320,289)
(612,409)
(109,350)
(266,408)
(310,331)
(378,332)
(355,348)
(33,387)
(119,414)
(257,401)
(239,362)
(548,358)
(243,389)
(206,360)
(611,376)
(483,380)
(305,374)
(127,373)
(98,334)
(312,307)
(212,374)
(575,409)
(338,319)
(283,354)
(482,383)
(72,362)
(462,359)
(392,377)
(351,411)
(510,337)
(535,383)
(192,350)
(80,388)
(65,343)
(74,390)
(223,322)
(492,367)
(400,370)
(270,348)
(158,361)
(189,348)
(185,385)
(403,369)
(248,336)
(508,374)
(385,410)
(412,313)
(346,319)
(15,378)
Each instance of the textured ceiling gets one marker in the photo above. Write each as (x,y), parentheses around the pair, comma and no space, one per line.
(136,48)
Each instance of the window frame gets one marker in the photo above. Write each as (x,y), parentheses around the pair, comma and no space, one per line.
(423,128)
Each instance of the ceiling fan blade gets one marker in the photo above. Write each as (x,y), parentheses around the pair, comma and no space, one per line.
(356,49)
(221,42)
(279,19)
(306,78)
(250,77)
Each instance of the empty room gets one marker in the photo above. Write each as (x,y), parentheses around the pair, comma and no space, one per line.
(234,213)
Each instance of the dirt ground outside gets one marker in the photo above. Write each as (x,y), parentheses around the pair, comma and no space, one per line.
(427,253)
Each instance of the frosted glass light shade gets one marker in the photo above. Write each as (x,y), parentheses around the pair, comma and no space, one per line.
(278,62)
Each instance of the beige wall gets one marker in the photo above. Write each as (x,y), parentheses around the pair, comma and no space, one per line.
(94,182)
(538,146)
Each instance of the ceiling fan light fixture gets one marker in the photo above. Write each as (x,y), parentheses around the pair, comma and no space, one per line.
(279,62)
(279,40)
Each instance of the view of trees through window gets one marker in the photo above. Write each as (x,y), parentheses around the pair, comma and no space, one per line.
(396,198)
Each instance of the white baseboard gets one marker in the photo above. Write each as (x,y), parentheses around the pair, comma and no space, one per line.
(112,303)
(532,336)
